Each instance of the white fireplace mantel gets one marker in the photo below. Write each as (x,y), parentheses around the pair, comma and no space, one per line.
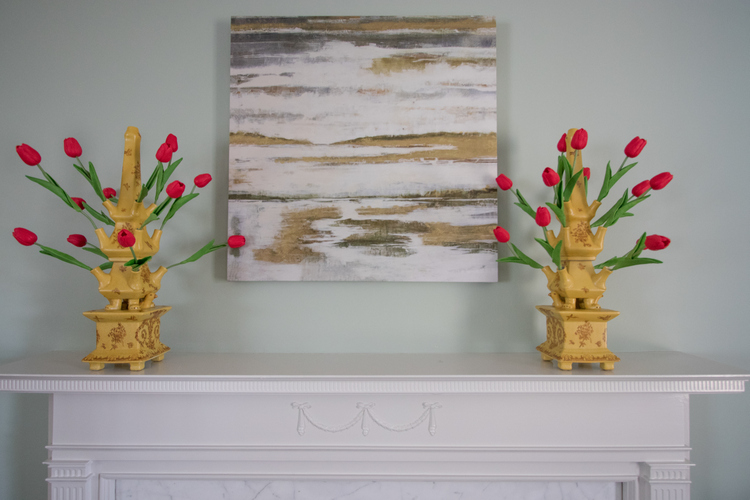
(383,417)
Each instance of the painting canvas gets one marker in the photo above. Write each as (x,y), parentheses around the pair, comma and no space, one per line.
(363,148)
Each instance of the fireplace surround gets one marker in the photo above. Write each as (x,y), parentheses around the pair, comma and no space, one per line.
(370,417)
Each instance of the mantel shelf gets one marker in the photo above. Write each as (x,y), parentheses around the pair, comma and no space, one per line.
(180,373)
(376,417)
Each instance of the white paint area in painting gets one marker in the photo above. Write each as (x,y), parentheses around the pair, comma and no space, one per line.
(253,169)
(340,98)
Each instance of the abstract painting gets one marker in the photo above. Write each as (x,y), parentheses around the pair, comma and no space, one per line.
(363,149)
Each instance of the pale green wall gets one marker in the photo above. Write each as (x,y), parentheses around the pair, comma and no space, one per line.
(676,73)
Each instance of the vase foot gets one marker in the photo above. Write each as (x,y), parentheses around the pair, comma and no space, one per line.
(546,357)
(564,365)
(137,366)
(159,358)
(96,366)
(607,366)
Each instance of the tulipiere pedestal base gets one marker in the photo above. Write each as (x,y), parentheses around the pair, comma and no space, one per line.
(577,336)
(126,337)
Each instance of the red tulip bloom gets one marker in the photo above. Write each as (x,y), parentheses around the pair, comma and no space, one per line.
(72,148)
(580,139)
(661,180)
(125,238)
(587,173)
(78,201)
(109,193)
(175,189)
(501,235)
(543,217)
(171,142)
(635,147)
(202,180)
(236,241)
(562,145)
(641,188)
(78,240)
(504,182)
(164,154)
(29,155)
(656,242)
(550,177)
(24,236)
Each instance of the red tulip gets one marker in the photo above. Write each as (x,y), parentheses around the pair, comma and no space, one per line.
(550,177)
(29,155)
(656,242)
(109,193)
(661,180)
(635,147)
(580,139)
(72,148)
(24,236)
(125,238)
(562,145)
(78,201)
(504,182)
(501,235)
(202,180)
(587,173)
(641,188)
(236,241)
(171,142)
(543,217)
(78,240)
(175,189)
(164,154)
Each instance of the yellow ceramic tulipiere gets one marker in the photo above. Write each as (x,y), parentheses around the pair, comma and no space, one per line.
(127,329)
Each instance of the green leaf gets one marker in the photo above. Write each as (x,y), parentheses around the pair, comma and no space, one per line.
(206,249)
(143,193)
(545,245)
(63,257)
(527,209)
(159,180)
(95,183)
(96,251)
(512,260)
(170,169)
(56,189)
(561,161)
(605,185)
(556,254)
(618,175)
(105,266)
(623,210)
(607,263)
(178,203)
(640,245)
(525,258)
(571,185)
(100,216)
(156,213)
(614,215)
(635,262)
(151,180)
(558,212)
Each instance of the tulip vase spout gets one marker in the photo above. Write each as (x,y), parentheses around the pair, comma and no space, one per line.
(126,337)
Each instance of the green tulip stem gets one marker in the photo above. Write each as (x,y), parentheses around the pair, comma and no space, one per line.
(622,164)
(80,163)
(575,159)
(133,252)
(90,220)
(193,190)
(544,232)
(43,172)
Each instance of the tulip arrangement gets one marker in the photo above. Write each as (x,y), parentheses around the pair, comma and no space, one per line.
(576,324)
(158,182)
(563,181)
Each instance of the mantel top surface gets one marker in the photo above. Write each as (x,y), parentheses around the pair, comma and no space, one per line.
(63,371)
